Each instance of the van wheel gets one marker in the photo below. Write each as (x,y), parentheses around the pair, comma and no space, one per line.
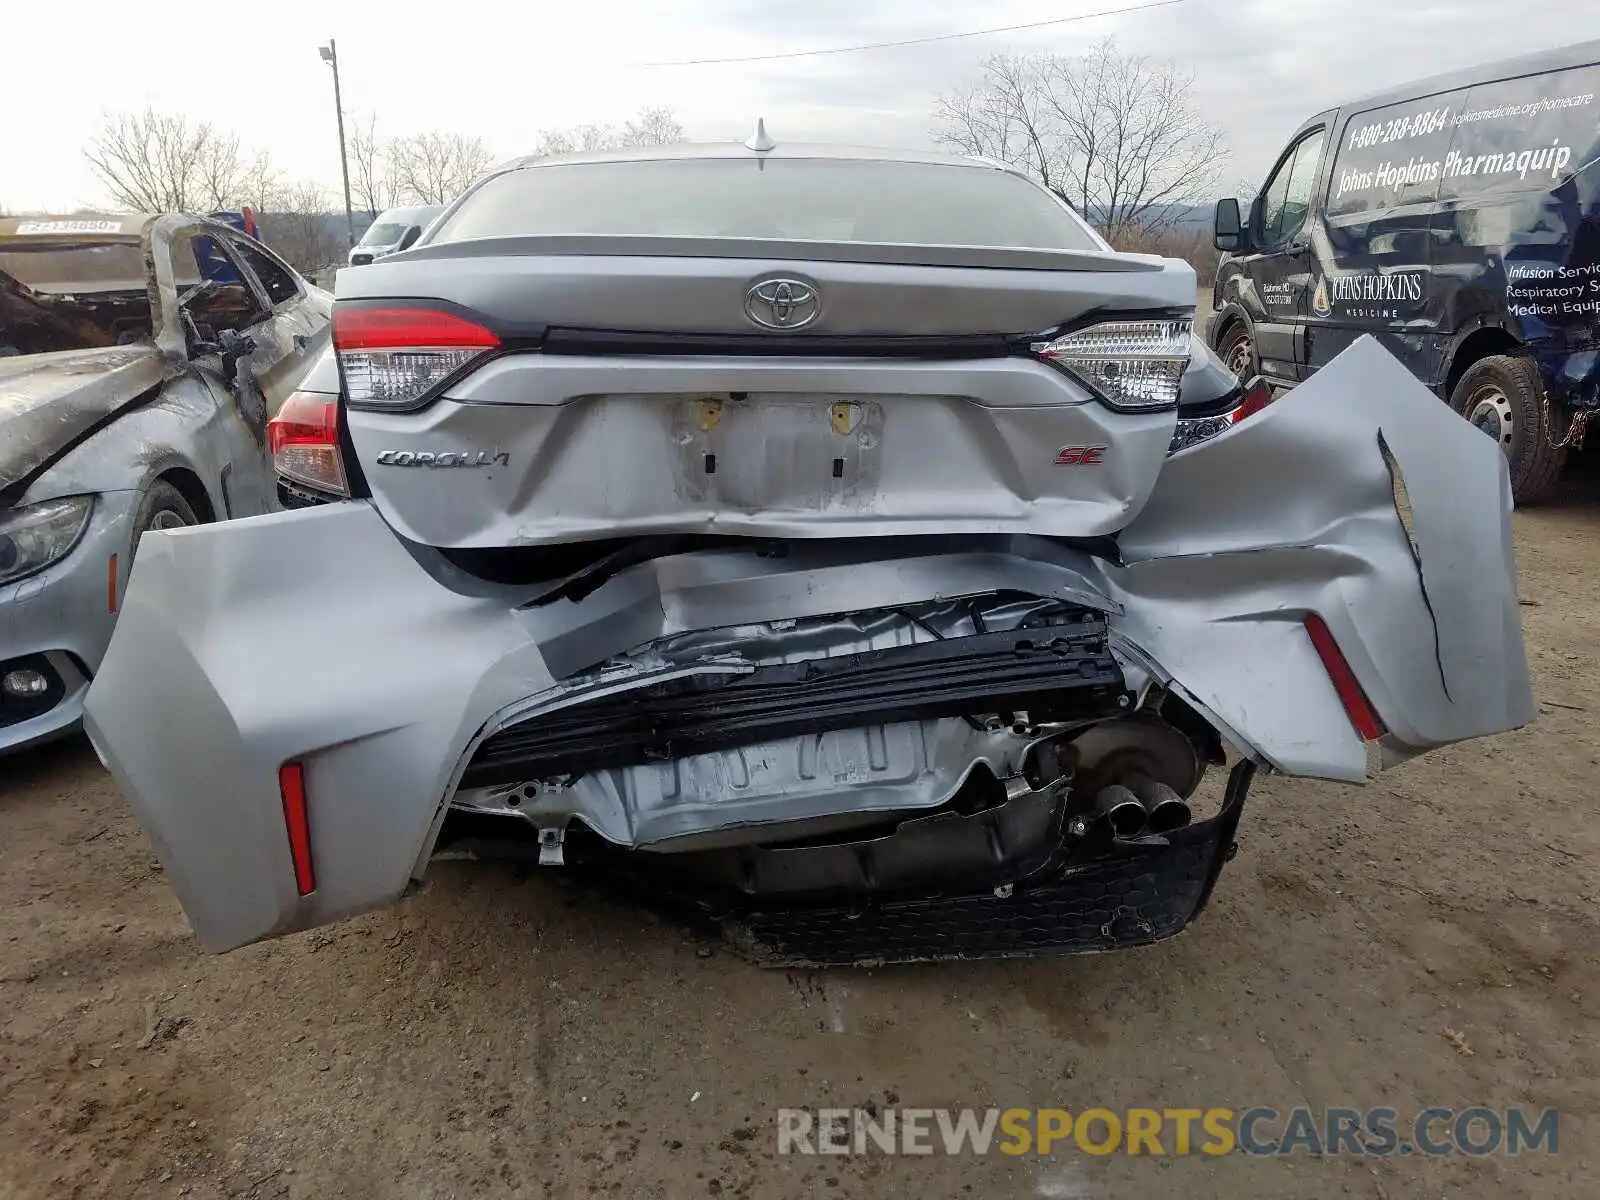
(1504,397)
(1238,352)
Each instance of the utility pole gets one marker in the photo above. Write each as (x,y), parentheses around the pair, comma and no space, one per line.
(330,55)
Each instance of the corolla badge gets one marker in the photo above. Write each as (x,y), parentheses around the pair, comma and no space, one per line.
(782,304)
(443,458)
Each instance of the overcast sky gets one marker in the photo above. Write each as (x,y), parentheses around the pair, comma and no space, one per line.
(504,71)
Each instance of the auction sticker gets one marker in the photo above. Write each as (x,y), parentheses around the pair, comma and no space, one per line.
(69,227)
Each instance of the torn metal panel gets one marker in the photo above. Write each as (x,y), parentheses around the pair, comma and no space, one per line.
(50,402)
(1307,521)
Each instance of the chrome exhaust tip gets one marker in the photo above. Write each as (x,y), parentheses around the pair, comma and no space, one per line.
(1167,810)
(1122,811)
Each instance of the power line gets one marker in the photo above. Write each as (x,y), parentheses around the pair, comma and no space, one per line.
(922,41)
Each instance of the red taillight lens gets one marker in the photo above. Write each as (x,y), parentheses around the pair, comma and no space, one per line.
(297,823)
(1257,395)
(303,440)
(1356,705)
(393,357)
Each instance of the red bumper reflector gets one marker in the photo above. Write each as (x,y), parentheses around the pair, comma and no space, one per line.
(1356,705)
(292,784)
(111,585)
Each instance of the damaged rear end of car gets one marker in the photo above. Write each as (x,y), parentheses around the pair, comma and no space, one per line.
(876,600)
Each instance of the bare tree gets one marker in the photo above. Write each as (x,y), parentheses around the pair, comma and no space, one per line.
(161,162)
(1115,135)
(294,221)
(436,167)
(261,185)
(650,127)
(370,175)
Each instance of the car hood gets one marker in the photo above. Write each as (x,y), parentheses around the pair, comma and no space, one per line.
(49,403)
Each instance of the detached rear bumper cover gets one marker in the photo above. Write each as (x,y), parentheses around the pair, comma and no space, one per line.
(318,636)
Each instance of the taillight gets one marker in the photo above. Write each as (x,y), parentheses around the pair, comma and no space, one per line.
(1191,431)
(1131,365)
(1356,705)
(303,440)
(393,357)
(1257,395)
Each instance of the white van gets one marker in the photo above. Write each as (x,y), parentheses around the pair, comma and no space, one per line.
(396,230)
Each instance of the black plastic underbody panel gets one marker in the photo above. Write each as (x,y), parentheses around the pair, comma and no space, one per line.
(1132,895)
(1084,896)
(1055,672)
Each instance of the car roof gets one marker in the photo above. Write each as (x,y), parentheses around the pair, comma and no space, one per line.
(1560,58)
(738,150)
(109,227)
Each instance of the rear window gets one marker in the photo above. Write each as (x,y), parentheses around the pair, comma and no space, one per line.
(1506,136)
(835,200)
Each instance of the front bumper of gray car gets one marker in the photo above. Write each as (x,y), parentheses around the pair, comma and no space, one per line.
(296,703)
(57,623)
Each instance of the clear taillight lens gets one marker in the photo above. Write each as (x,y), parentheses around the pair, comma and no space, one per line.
(304,442)
(1131,365)
(393,357)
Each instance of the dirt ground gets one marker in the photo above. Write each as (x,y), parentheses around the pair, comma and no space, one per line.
(1428,939)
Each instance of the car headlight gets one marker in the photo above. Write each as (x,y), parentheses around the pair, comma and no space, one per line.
(33,537)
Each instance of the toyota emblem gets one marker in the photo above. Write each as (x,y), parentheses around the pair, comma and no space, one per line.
(782,304)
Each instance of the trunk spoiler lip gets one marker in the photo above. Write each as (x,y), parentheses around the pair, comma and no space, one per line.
(766,250)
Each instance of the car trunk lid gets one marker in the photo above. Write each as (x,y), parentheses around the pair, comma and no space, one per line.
(598,395)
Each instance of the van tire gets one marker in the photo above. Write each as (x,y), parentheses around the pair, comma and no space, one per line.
(1237,343)
(1503,390)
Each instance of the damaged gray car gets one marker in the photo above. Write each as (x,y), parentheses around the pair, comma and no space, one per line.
(848,549)
(140,358)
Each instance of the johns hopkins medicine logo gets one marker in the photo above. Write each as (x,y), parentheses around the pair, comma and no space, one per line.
(1370,295)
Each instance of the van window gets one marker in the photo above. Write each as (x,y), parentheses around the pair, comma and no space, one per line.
(1523,134)
(1287,196)
(1506,136)
(382,233)
(1392,156)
